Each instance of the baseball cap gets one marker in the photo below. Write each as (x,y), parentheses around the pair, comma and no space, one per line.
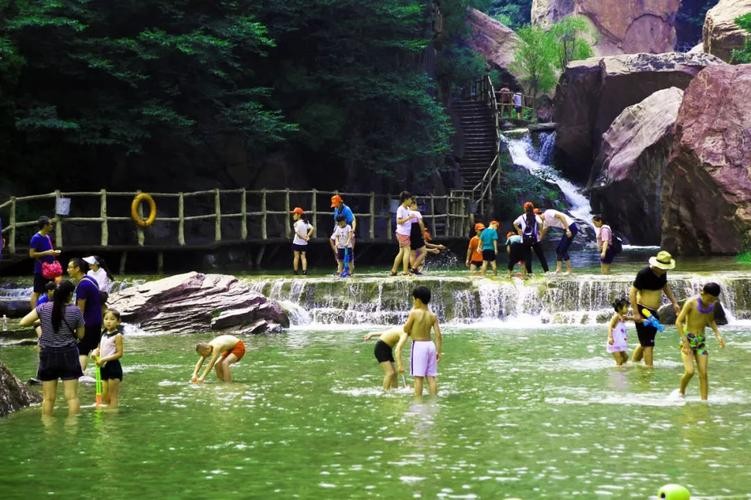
(336,200)
(90,260)
(298,211)
(479,226)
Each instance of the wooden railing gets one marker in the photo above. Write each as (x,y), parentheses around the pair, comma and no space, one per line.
(102,218)
(483,190)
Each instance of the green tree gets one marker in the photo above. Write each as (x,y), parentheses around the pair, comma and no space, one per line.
(535,59)
(571,35)
(743,56)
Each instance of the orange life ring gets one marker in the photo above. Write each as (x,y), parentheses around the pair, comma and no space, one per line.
(134,210)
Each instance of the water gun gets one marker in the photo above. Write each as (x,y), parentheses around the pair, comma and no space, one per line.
(98,384)
(347,259)
(652,321)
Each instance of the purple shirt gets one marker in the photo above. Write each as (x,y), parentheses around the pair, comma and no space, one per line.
(89,289)
(40,244)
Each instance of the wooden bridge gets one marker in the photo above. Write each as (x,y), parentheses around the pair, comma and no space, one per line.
(100,221)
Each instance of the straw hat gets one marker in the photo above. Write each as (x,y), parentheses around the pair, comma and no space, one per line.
(663,260)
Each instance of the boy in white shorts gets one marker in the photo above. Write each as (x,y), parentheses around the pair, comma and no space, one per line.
(425,352)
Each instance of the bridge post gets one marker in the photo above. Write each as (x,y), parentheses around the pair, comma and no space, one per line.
(139,230)
(181,219)
(371,228)
(314,207)
(59,225)
(103,215)
(218,215)
(432,213)
(264,233)
(244,211)
(287,227)
(12,222)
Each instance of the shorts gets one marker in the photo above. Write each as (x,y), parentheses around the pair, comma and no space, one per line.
(340,254)
(59,363)
(39,283)
(422,359)
(518,109)
(403,239)
(476,263)
(111,370)
(383,352)
(646,333)
(90,340)
(299,248)
(416,243)
(697,344)
(609,256)
(238,351)
(488,255)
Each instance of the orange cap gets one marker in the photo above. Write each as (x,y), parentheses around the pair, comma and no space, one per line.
(479,226)
(298,211)
(336,200)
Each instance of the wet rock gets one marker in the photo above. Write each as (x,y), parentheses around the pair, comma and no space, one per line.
(196,302)
(721,35)
(593,92)
(622,26)
(635,151)
(706,197)
(494,41)
(14,394)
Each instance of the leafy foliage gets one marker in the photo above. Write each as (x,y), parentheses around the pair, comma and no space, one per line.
(572,35)
(743,56)
(512,13)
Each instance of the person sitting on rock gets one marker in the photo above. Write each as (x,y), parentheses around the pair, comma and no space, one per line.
(230,348)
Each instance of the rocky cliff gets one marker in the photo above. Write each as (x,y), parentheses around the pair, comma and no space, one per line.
(14,394)
(623,26)
(494,41)
(706,197)
(721,35)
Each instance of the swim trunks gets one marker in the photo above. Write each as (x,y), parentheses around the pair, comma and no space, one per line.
(488,255)
(422,359)
(238,351)
(646,333)
(697,344)
(383,352)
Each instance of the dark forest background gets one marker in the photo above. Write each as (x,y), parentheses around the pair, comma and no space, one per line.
(180,94)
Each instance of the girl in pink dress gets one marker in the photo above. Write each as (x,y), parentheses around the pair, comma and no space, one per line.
(617,343)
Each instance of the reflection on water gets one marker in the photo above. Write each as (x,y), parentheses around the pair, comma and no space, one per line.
(528,413)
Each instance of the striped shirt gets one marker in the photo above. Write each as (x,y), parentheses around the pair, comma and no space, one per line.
(66,336)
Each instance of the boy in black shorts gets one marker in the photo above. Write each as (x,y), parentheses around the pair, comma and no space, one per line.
(383,353)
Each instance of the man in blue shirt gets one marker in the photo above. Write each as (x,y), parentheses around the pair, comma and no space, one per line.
(89,302)
(41,250)
(337,203)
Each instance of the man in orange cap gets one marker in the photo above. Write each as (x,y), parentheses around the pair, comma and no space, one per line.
(337,203)
(474,254)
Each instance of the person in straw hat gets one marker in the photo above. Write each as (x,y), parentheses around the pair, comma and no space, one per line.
(646,293)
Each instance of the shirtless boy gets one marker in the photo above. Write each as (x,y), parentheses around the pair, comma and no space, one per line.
(383,353)
(230,348)
(425,352)
(698,313)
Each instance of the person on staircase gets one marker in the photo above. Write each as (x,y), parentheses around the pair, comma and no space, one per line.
(528,226)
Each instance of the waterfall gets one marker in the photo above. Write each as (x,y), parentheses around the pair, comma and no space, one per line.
(537,162)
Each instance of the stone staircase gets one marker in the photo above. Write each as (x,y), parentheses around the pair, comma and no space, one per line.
(480,140)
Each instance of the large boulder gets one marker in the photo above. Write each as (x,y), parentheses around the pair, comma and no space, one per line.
(635,151)
(14,394)
(721,35)
(622,26)
(494,41)
(706,197)
(195,302)
(592,92)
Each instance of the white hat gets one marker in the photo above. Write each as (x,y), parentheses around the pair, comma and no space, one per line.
(90,260)
(663,260)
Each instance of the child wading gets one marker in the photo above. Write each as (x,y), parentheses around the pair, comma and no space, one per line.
(617,337)
(229,347)
(303,232)
(489,240)
(515,250)
(425,353)
(107,357)
(384,355)
(696,315)
(474,249)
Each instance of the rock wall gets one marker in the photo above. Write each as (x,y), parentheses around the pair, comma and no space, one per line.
(494,41)
(593,92)
(635,151)
(706,196)
(721,34)
(14,394)
(623,26)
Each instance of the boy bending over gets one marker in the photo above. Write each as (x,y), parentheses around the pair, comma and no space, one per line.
(383,353)
(230,348)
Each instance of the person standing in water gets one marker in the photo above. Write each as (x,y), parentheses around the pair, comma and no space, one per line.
(555,219)
(528,226)
(604,243)
(646,293)
(107,357)
(696,315)
(617,336)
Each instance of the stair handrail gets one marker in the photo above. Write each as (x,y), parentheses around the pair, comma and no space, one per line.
(483,188)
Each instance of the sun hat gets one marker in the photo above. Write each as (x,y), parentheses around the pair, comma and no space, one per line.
(298,211)
(479,226)
(90,260)
(336,200)
(663,260)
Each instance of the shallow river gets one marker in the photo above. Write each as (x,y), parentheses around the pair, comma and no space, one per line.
(539,413)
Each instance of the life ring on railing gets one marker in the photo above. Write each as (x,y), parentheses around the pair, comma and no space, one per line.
(140,197)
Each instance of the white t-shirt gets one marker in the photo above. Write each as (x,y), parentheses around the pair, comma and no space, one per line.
(301,231)
(521,221)
(550,219)
(101,278)
(405,229)
(341,235)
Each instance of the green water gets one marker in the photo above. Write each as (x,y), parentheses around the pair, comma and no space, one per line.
(540,413)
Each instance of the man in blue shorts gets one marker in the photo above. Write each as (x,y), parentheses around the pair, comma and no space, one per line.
(41,250)
(89,302)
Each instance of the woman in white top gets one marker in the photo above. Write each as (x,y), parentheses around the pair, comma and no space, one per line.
(303,232)
(100,272)
(555,219)
(528,225)
(404,219)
